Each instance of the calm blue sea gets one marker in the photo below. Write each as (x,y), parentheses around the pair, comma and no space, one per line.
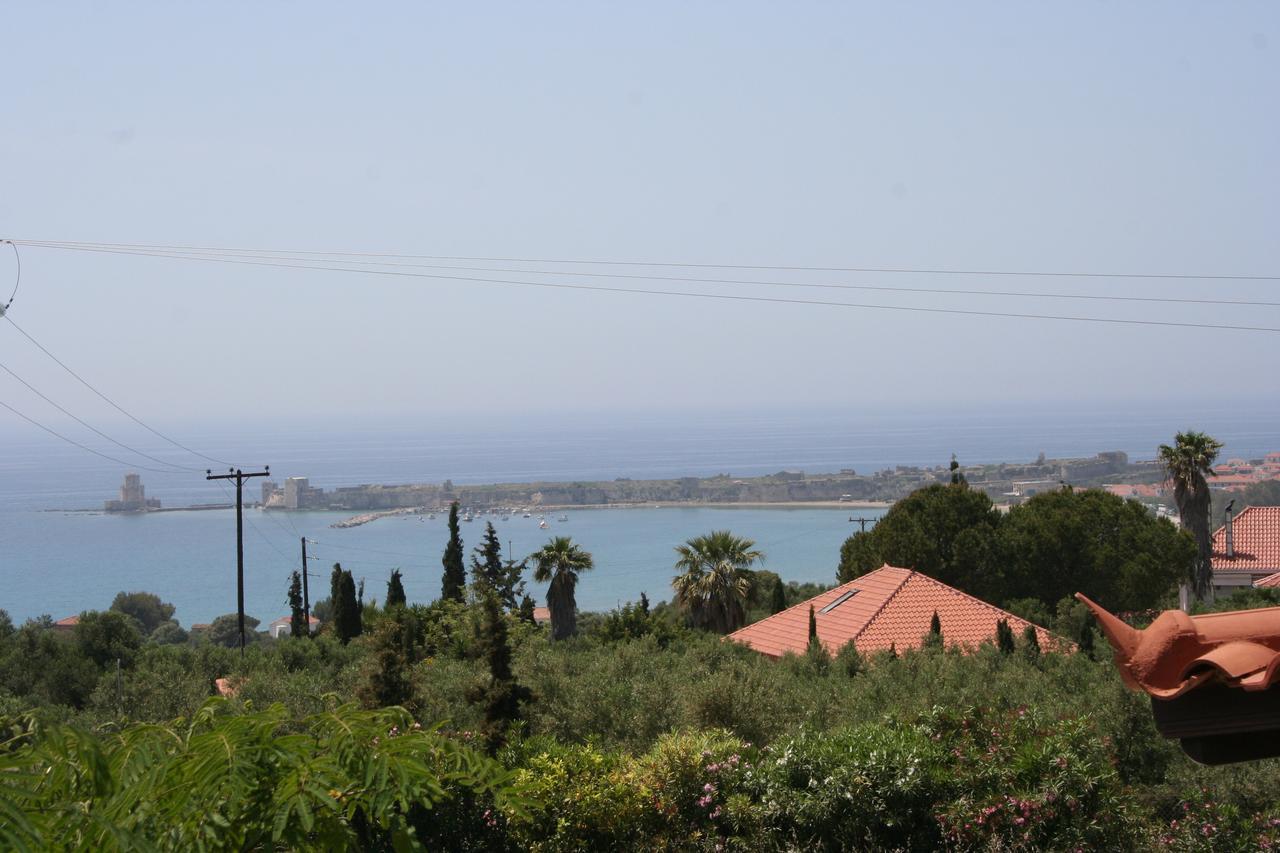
(60,563)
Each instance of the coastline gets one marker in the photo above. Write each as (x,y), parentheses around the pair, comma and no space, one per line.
(370,517)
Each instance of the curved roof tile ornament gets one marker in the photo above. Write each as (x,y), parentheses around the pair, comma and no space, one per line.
(1209,678)
(1177,653)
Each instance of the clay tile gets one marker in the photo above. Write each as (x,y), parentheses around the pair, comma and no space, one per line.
(1178,652)
(1233,661)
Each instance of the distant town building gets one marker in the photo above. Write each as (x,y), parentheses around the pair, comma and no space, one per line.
(296,493)
(133,497)
(1246,550)
(284,625)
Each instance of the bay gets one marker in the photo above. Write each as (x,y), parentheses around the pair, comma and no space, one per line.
(61,563)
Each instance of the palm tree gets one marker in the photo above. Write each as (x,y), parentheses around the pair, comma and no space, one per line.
(713,589)
(559,562)
(1186,464)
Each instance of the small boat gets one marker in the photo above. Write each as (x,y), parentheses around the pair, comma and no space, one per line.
(543,524)
(563,517)
(432,516)
(528,515)
(467,517)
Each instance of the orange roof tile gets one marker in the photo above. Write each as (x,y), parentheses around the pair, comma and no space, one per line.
(1256,542)
(1177,652)
(890,606)
(1269,582)
(67,622)
(541,615)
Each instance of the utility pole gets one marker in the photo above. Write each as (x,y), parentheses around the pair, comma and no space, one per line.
(306,598)
(863,522)
(240,476)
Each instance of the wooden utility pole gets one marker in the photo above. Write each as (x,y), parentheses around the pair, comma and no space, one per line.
(306,598)
(239,477)
(863,522)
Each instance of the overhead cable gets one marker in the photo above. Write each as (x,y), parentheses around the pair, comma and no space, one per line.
(91,427)
(339,257)
(72,441)
(778,267)
(109,401)
(717,296)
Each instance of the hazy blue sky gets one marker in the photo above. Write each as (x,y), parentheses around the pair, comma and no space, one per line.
(1070,136)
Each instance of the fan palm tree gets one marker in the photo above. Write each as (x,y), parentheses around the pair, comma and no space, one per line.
(559,562)
(712,588)
(1187,463)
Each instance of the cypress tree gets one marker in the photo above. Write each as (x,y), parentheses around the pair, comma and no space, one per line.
(933,639)
(1085,641)
(388,678)
(502,697)
(778,601)
(395,591)
(644,605)
(813,625)
(335,586)
(455,574)
(526,610)
(346,610)
(1030,642)
(297,619)
(486,561)
(1004,637)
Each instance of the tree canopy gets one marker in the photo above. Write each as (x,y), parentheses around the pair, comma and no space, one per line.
(713,588)
(558,563)
(1187,464)
(945,531)
(146,607)
(1056,544)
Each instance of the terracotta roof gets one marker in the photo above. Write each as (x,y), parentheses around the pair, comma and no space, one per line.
(542,615)
(1268,582)
(890,606)
(286,620)
(1256,542)
(68,622)
(1177,652)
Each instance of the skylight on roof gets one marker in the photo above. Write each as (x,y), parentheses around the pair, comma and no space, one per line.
(844,596)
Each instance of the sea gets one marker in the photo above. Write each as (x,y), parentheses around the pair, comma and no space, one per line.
(56,558)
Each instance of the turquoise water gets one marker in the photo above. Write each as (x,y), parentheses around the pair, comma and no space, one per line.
(62,563)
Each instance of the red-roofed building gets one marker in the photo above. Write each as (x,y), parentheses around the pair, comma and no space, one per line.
(1246,549)
(284,626)
(67,624)
(887,607)
(542,615)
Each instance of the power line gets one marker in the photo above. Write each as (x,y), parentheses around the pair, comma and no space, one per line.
(672,264)
(111,402)
(72,441)
(717,296)
(285,255)
(89,426)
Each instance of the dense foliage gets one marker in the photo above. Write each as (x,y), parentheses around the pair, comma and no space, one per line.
(1054,545)
(639,729)
(242,781)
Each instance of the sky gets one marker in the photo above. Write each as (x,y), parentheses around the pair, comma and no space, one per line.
(1138,137)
